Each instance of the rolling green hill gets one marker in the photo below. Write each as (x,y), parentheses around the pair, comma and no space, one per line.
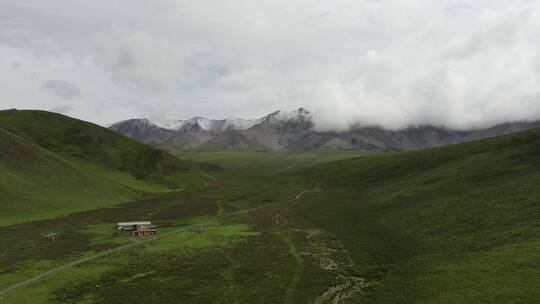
(459,224)
(52,165)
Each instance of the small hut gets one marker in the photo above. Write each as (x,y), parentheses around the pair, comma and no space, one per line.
(137,228)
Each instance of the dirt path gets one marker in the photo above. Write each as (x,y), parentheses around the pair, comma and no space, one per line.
(297,197)
(39,277)
(293,285)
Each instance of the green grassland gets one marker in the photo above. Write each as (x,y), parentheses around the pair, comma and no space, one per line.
(207,257)
(266,162)
(457,224)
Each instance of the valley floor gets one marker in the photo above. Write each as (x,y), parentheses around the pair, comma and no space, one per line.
(234,243)
(308,228)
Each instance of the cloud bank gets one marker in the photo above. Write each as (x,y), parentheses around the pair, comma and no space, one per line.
(459,64)
(62,89)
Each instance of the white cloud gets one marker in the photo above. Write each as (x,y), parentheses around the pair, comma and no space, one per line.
(62,89)
(394,63)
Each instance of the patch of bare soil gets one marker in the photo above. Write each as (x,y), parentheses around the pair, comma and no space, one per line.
(344,288)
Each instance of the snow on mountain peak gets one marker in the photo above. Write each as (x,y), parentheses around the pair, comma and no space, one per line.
(211,125)
(171,124)
(280,117)
(199,123)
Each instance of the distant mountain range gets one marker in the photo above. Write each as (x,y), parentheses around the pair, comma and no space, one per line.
(294,131)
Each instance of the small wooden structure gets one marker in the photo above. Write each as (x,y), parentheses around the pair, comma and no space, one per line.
(144,231)
(137,228)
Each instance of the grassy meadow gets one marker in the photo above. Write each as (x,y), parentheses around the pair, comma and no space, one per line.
(457,224)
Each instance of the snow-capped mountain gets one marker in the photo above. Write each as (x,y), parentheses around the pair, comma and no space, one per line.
(293,130)
(287,121)
(199,130)
(198,123)
(210,125)
(281,117)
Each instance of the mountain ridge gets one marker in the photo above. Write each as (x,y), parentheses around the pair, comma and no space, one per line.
(295,131)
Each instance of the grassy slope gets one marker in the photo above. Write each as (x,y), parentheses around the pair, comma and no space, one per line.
(450,225)
(264,163)
(257,177)
(458,224)
(52,165)
(246,258)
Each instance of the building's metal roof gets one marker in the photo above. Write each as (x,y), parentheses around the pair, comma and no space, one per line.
(134,223)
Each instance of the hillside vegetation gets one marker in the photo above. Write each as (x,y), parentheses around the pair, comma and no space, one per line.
(458,224)
(51,165)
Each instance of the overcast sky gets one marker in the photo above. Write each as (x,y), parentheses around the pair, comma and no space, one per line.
(394,63)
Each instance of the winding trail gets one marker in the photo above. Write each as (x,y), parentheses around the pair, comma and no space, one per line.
(39,277)
(293,284)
